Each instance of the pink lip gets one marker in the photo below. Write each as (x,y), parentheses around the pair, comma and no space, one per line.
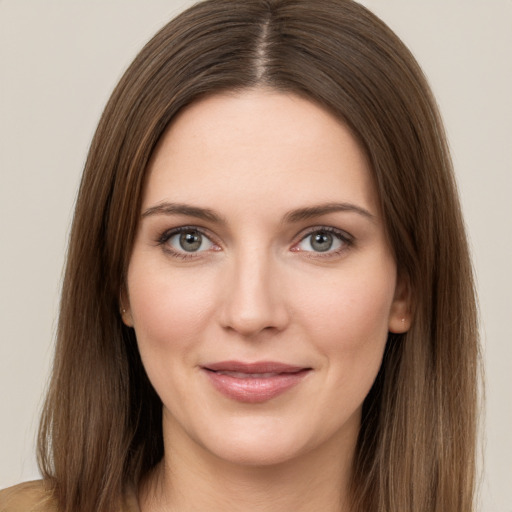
(254,382)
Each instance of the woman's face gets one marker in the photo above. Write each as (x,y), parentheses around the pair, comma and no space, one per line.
(261,286)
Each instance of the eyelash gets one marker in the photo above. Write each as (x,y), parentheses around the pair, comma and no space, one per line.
(342,236)
(167,235)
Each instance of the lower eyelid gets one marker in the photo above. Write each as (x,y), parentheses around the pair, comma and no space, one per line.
(174,251)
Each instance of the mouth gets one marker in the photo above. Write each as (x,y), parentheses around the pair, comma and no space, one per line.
(254,382)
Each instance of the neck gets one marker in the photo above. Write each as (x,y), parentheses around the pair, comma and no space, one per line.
(191,479)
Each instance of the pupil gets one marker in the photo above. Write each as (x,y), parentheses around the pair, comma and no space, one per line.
(190,241)
(322,242)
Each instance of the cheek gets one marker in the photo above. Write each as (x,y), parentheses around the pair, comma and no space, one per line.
(169,309)
(351,313)
(347,321)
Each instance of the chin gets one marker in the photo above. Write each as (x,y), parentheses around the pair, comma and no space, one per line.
(264,442)
(258,452)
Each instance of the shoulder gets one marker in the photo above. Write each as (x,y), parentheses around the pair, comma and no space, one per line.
(27,497)
(35,497)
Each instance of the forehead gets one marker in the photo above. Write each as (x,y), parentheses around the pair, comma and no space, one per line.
(253,145)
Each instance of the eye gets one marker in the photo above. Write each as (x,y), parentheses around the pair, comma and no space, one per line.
(324,240)
(186,241)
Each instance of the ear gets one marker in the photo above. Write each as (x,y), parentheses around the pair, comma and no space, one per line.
(124,308)
(400,316)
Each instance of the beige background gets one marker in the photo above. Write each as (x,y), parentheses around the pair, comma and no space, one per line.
(59,60)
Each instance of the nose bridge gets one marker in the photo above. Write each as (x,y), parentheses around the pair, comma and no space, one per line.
(253,298)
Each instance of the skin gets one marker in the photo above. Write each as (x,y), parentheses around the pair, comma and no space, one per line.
(258,290)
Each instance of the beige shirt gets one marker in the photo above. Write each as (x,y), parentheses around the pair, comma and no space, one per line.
(33,497)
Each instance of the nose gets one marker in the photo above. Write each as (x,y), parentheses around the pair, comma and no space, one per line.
(254,300)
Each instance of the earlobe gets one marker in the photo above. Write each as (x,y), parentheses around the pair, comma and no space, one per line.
(126,315)
(400,316)
(399,325)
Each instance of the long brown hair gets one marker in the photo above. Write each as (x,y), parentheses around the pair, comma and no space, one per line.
(101,425)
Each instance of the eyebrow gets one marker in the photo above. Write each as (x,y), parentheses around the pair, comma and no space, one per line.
(184,209)
(293,216)
(310,212)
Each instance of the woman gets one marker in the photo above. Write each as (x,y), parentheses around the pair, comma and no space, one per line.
(268,301)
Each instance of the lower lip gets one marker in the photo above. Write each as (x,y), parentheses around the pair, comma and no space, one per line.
(255,389)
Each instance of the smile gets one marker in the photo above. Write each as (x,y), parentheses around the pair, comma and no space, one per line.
(253,382)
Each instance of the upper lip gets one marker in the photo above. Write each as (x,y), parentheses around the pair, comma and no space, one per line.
(257,367)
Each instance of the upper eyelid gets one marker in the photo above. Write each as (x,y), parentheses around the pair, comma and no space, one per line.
(164,238)
(208,232)
(330,229)
(304,233)
(168,233)
(347,240)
